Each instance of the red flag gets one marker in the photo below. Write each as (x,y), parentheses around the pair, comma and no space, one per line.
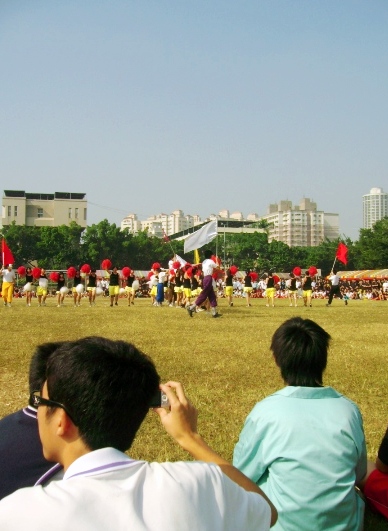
(6,254)
(342,253)
(165,237)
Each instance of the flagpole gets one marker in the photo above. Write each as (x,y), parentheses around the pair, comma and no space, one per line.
(335,259)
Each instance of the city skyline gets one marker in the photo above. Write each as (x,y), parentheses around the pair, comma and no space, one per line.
(154,107)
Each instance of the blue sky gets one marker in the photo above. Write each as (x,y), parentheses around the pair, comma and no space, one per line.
(152,106)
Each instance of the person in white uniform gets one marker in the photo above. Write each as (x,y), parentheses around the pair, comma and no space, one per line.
(95,398)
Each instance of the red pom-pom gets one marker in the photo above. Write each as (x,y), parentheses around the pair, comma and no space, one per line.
(71,272)
(21,271)
(86,269)
(233,269)
(155,265)
(297,271)
(36,272)
(189,272)
(126,271)
(150,274)
(176,265)
(312,271)
(276,279)
(106,264)
(254,276)
(54,276)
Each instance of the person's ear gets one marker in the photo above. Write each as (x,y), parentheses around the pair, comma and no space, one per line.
(64,424)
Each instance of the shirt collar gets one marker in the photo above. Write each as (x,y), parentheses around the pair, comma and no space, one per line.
(308,392)
(30,411)
(98,462)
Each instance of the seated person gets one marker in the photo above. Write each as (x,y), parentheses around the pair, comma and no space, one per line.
(304,445)
(375,483)
(21,456)
(96,395)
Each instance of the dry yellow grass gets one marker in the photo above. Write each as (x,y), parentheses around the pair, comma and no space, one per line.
(225,364)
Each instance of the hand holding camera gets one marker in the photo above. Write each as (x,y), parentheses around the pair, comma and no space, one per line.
(180,421)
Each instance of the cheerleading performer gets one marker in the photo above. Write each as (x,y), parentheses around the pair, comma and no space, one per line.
(307,289)
(130,289)
(77,293)
(29,280)
(187,279)
(179,286)
(42,288)
(248,286)
(292,289)
(229,286)
(92,286)
(8,284)
(60,293)
(161,275)
(114,286)
(170,295)
(270,289)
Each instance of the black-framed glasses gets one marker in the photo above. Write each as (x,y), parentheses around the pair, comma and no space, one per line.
(37,400)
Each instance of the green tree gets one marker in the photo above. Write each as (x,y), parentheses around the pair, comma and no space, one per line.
(371,250)
(59,247)
(22,241)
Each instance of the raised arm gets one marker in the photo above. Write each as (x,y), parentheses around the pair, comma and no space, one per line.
(181,423)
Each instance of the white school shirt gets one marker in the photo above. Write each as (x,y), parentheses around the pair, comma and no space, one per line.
(105,490)
(207,267)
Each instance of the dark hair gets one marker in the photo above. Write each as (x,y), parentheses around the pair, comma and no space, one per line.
(106,386)
(300,350)
(38,364)
(208,253)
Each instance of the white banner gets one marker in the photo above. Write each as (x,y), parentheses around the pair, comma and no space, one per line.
(201,237)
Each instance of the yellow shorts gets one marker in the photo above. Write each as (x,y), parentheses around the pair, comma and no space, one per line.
(129,289)
(41,291)
(187,292)
(270,292)
(153,291)
(307,293)
(90,289)
(113,290)
(248,290)
(178,289)
(228,291)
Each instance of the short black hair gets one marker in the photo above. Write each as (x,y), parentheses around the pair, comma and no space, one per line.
(208,254)
(300,349)
(106,386)
(38,364)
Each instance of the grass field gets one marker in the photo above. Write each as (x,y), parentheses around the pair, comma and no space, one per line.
(225,364)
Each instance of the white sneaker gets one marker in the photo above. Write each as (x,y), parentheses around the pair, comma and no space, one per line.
(9,305)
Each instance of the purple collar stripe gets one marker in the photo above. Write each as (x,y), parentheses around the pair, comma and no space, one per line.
(30,412)
(104,468)
(49,474)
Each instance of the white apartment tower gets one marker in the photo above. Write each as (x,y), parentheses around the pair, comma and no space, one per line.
(300,226)
(374,207)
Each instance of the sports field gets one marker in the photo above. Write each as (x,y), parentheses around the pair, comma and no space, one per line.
(225,364)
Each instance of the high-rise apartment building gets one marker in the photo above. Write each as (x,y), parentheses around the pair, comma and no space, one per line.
(43,210)
(374,206)
(303,225)
(160,224)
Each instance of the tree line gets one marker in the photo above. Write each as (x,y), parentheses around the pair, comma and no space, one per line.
(70,245)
